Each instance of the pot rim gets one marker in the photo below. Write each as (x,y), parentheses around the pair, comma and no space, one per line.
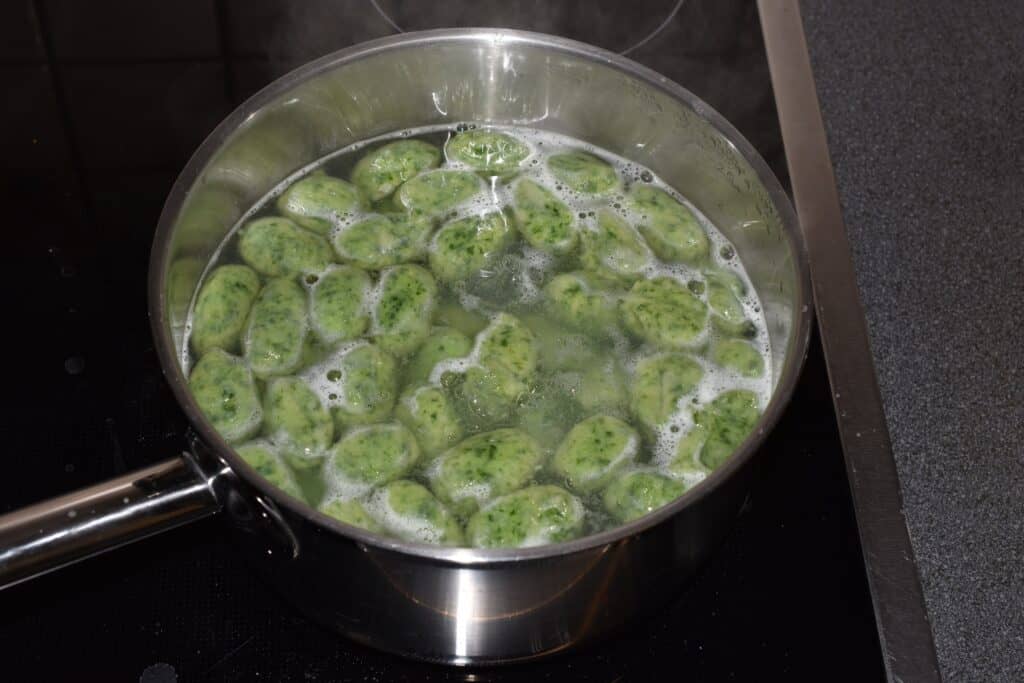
(160,253)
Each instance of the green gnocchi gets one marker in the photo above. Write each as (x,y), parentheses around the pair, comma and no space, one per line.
(669,227)
(264,458)
(297,422)
(583,172)
(574,300)
(318,201)
(276,333)
(461,248)
(639,492)
(593,451)
(339,304)
(487,150)
(277,247)
(383,170)
(613,250)
(532,516)
(223,387)
(484,467)
(351,511)
(543,220)
(484,336)
(436,193)
(222,308)
(429,413)
(373,455)
(664,313)
(409,511)
(382,240)
(658,384)
(401,318)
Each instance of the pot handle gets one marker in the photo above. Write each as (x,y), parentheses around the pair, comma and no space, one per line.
(61,531)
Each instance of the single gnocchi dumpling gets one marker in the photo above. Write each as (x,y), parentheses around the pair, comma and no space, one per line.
(533,516)
(225,391)
(594,451)
(435,193)
(544,221)
(583,172)
(406,300)
(297,422)
(729,419)
(639,492)
(613,250)
(428,413)
(738,356)
(383,240)
(360,383)
(485,397)
(685,463)
(484,467)
(573,299)
(222,308)
(727,315)
(510,345)
(352,512)
(339,304)
(263,457)
(488,151)
(380,172)
(409,511)
(665,313)
(318,201)
(371,456)
(669,227)
(658,384)
(443,343)
(277,247)
(487,393)
(276,333)
(463,247)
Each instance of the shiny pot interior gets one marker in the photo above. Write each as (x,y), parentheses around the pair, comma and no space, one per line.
(505,77)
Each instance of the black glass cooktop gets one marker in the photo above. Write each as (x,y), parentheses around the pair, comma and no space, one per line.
(105,102)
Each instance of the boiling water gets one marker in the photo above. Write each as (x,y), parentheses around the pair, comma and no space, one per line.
(514,283)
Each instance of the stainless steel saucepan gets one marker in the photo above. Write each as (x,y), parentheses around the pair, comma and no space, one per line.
(453,605)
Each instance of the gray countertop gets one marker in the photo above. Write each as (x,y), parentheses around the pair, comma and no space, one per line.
(924,106)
